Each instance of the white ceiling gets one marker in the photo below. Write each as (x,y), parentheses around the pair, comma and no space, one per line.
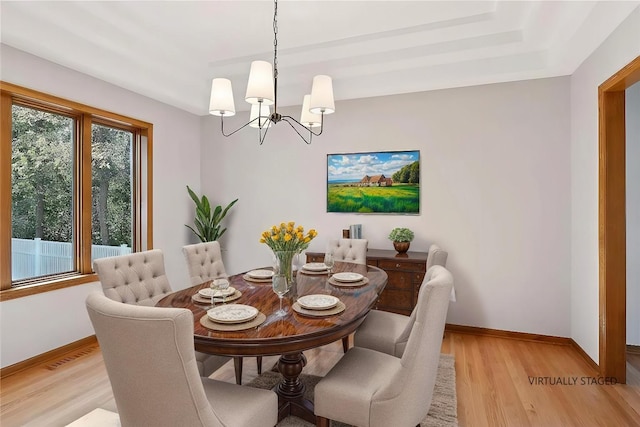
(170,50)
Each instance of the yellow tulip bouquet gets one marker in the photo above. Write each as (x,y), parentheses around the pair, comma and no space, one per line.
(286,241)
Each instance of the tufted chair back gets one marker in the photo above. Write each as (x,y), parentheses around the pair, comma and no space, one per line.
(349,250)
(436,256)
(138,278)
(204,261)
(151,367)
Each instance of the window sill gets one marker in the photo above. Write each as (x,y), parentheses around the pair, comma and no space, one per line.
(50,285)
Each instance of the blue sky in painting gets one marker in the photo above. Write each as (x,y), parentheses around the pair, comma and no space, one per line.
(353,167)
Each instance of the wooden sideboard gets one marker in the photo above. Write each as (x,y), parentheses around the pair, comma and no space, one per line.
(405,271)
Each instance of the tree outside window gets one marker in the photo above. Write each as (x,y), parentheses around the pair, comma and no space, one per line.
(55,217)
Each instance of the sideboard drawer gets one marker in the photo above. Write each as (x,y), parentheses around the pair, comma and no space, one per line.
(389,264)
(315,257)
(399,280)
(405,274)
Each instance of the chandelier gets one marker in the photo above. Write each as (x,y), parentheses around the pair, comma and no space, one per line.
(262,93)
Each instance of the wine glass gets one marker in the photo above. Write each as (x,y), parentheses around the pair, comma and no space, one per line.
(214,287)
(223,285)
(329,261)
(280,287)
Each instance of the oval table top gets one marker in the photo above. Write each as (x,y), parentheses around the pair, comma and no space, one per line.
(293,332)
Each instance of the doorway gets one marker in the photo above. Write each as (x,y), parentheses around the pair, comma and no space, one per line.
(611,220)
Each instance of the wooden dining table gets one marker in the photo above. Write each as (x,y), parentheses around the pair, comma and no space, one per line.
(288,335)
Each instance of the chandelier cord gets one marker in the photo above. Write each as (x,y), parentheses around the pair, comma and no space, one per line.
(275,55)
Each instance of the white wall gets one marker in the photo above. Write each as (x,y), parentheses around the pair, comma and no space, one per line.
(503,191)
(618,50)
(632,97)
(42,322)
(495,185)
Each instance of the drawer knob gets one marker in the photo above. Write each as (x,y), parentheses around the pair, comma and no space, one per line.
(397,265)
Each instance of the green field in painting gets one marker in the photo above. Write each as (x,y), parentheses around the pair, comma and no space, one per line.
(395,199)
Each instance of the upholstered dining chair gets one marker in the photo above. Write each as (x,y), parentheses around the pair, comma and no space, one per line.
(150,361)
(436,256)
(140,279)
(204,262)
(388,332)
(370,388)
(349,250)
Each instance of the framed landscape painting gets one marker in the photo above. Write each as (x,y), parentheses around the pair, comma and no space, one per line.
(378,182)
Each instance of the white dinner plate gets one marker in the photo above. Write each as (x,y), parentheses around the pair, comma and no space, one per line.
(217,293)
(315,266)
(318,302)
(232,313)
(347,277)
(260,274)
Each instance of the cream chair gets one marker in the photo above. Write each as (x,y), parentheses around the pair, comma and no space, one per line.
(140,279)
(148,353)
(436,256)
(349,250)
(204,262)
(388,332)
(370,388)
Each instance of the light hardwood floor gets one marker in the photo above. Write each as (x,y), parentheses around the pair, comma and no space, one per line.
(493,379)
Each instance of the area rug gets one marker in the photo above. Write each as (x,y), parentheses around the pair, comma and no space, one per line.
(442,413)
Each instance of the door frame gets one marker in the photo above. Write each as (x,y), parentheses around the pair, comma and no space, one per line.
(612,220)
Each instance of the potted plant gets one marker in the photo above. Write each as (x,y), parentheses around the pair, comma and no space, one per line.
(401,238)
(207,221)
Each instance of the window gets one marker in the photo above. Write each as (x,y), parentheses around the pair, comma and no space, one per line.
(111,191)
(76,186)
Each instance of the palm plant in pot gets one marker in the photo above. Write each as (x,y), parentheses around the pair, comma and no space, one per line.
(401,238)
(208,221)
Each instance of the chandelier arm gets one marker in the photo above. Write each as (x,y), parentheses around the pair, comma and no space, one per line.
(311,131)
(286,119)
(275,117)
(240,128)
(262,136)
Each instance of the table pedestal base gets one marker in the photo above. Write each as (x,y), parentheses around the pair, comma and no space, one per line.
(290,391)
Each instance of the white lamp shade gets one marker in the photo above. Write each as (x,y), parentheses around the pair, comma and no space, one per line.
(260,86)
(264,112)
(322,95)
(221,101)
(307,118)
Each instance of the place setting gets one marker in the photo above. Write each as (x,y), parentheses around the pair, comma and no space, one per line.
(258,276)
(348,279)
(318,305)
(217,292)
(232,317)
(319,268)
(315,268)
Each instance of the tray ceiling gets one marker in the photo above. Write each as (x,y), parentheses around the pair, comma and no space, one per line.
(170,50)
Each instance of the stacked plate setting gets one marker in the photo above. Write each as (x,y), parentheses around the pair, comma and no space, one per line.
(260,274)
(318,302)
(348,277)
(217,293)
(315,267)
(232,313)
(318,305)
